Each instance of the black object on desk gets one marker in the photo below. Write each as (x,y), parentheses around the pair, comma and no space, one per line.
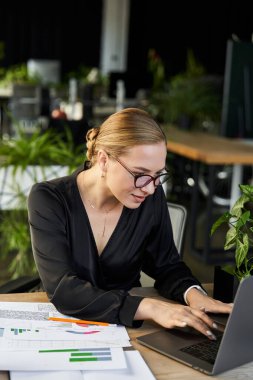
(22,284)
(225,285)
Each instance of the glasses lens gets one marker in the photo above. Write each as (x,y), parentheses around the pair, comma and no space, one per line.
(143,180)
(162,178)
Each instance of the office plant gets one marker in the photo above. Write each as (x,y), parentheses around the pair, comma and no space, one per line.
(34,154)
(239,236)
(15,240)
(191,99)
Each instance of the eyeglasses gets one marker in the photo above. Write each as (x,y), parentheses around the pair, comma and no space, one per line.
(142,180)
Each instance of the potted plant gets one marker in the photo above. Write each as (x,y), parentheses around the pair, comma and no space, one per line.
(17,74)
(239,236)
(191,99)
(24,161)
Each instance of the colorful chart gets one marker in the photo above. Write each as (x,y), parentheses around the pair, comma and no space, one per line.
(21,331)
(84,355)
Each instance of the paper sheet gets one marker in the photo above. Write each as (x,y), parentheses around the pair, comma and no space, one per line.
(25,326)
(102,358)
(136,369)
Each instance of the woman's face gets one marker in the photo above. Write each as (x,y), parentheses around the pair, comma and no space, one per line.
(140,160)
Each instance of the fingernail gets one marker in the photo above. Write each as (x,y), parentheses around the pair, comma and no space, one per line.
(212,336)
(215,326)
(202,308)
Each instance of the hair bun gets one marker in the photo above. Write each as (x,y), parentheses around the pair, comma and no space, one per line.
(92,134)
(91,139)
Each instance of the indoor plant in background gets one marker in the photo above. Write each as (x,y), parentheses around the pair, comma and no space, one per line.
(33,158)
(191,99)
(239,236)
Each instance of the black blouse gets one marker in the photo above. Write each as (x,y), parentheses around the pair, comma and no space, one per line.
(83,284)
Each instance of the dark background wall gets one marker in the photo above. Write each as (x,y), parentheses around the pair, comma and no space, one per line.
(72,33)
(204,28)
(52,31)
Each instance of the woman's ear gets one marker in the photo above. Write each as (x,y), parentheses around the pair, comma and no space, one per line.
(102,159)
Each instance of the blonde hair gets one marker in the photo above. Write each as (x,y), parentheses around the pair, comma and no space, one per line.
(121,131)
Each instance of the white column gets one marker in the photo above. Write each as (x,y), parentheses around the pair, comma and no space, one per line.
(114,38)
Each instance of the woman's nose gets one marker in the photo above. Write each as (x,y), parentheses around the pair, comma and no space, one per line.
(149,188)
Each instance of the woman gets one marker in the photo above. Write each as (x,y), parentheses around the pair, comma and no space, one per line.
(95,230)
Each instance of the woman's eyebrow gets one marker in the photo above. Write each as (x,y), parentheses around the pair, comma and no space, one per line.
(147,170)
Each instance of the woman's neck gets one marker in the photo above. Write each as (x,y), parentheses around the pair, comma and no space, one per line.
(94,191)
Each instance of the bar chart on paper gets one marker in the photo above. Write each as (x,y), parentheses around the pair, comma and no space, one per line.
(48,334)
(29,337)
(29,340)
(136,370)
(16,331)
(84,355)
(100,358)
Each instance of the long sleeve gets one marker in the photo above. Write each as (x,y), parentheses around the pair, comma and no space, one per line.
(58,243)
(81,283)
(162,261)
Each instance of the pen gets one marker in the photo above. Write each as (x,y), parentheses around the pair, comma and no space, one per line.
(78,321)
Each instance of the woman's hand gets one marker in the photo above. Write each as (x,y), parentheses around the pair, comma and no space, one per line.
(170,315)
(200,301)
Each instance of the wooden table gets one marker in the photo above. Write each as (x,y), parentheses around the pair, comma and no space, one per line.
(211,150)
(162,367)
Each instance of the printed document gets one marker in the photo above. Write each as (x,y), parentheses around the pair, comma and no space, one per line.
(136,369)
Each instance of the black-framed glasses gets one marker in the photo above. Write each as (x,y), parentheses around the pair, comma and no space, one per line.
(142,180)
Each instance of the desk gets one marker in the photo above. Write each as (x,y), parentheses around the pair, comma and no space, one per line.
(162,367)
(212,151)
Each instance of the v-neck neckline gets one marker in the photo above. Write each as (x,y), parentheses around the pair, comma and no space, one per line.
(80,201)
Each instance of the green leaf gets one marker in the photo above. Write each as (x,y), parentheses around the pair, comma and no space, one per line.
(231,237)
(242,248)
(238,206)
(222,219)
(229,269)
(247,190)
(245,217)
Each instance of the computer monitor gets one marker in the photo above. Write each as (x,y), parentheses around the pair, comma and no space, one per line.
(237,107)
(49,71)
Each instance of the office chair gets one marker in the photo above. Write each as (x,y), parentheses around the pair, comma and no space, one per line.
(178,215)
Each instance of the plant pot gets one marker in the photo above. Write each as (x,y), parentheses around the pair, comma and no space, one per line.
(15,181)
(224,285)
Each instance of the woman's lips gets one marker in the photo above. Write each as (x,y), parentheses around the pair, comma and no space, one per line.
(138,198)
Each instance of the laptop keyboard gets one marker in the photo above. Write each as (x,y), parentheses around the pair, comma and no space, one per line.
(206,350)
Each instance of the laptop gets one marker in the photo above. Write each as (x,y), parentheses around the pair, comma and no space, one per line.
(234,347)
